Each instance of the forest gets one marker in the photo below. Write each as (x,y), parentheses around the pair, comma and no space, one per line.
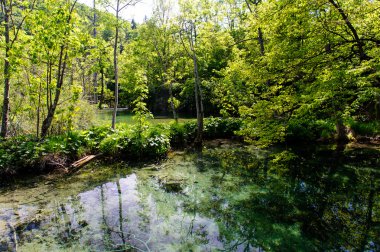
(300,70)
(213,78)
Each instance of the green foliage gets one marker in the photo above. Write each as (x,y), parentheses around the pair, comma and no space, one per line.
(365,128)
(309,130)
(177,135)
(287,69)
(140,110)
(183,134)
(75,144)
(112,144)
(130,143)
(217,127)
(280,162)
(25,153)
(133,145)
(53,145)
(18,153)
(72,144)
(308,68)
(95,135)
(305,73)
(153,144)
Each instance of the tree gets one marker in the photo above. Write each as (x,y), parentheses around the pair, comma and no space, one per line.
(160,33)
(95,74)
(202,37)
(56,40)
(12,29)
(190,33)
(260,37)
(318,66)
(117,6)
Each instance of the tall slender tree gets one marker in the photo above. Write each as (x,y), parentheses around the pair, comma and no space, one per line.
(189,32)
(65,12)
(95,74)
(11,34)
(162,40)
(117,6)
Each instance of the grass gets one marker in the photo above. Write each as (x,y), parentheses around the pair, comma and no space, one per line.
(123,117)
(365,128)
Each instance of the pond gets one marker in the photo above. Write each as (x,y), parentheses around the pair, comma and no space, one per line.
(104,117)
(228,198)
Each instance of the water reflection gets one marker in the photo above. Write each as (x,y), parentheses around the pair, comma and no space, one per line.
(231,199)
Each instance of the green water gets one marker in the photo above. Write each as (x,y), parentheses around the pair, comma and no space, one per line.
(124,117)
(230,198)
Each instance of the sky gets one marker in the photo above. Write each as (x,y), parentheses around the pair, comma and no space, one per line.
(137,12)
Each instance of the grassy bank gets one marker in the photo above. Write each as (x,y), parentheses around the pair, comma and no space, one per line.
(131,143)
(27,155)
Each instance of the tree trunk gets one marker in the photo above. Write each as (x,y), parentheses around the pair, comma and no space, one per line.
(175,116)
(51,111)
(5,114)
(7,12)
(198,104)
(83,77)
(116,72)
(341,135)
(361,52)
(121,219)
(95,75)
(197,89)
(261,41)
(63,55)
(47,122)
(260,38)
(38,110)
(368,223)
(95,83)
(101,101)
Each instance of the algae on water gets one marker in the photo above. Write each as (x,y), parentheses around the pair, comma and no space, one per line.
(226,198)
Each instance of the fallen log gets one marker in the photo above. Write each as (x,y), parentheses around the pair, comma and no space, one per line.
(82,162)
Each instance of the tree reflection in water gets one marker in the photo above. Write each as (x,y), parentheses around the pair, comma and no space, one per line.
(232,199)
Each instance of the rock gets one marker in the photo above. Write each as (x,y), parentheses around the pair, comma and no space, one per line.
(172,186)
(170,183)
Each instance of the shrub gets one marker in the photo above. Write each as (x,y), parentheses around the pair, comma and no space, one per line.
(309,130)
(111,145)
(72,144)
(95,136)
(216,127)
(19,153)
(54,144)
(178,136)
(182,134)
(324,129)
(152,144)
(157,143)
(364,128)
(25,153)
(190,131)
(134,145)
(75,144)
